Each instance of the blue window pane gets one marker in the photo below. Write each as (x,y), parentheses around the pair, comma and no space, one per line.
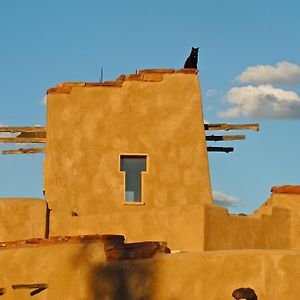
(133,166)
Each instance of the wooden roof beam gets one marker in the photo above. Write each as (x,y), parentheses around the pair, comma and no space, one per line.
(224,126)
(22,140)
(225,137)
(220,149)
(24,151)
(23,129)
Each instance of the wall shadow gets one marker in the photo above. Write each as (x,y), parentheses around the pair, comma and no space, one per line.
(126,280)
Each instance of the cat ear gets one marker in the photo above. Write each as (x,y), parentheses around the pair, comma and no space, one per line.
(197,48)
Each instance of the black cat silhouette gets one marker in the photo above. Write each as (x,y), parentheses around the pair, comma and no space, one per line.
(192,60)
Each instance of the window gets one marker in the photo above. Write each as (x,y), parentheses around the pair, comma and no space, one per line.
(133,165)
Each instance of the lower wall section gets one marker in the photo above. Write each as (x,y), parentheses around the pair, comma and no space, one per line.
(224,231)
(181,227)
(68,270)
(22,218)
(79,272)
(291,202)
(273,274)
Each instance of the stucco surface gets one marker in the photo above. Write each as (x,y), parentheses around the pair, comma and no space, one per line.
(79,271)
(214,275)
(265,231)
(182,227)
(67,269)
(90,127)
(22,218)
(292,203)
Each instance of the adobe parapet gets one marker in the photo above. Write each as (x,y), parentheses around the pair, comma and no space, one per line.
(147,75)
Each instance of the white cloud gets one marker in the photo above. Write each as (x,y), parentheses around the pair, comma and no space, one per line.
(211,93)
(222,199)
(283,73)
(262,102)
(43,100)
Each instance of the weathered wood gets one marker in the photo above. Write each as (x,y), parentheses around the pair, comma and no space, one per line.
(38,134)
(225,137)
(24,151)
(37,291)
(22,140)
(2,291)
(220,149)
(38,287)
(30,286)
(23,129)
(138,250)
(224,126)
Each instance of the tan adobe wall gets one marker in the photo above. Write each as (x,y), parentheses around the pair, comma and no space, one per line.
(22,218)
(156,112)
(290,201)
(213,275)
(182,227)
(266,231)
(68,268)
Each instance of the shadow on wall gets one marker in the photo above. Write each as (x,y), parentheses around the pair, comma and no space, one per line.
(128,280)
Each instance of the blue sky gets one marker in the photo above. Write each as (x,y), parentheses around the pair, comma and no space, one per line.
(248,62)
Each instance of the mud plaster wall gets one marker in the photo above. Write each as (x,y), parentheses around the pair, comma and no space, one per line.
(182,226)
(224,231)
(22,218)
(79,272)
(273,274)
(88,130)
(67,269)
(292,203)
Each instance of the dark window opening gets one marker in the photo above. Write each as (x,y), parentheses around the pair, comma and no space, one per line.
(133,165)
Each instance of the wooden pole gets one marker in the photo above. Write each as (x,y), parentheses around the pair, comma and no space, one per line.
(23,129)
(24,151)
(220,149)
(22,140)
(224,126)
(38,287)
(225,137)
(30,286)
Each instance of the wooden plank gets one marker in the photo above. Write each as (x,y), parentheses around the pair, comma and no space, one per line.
(220,149)
(38,287)
(22,140)
(24,151)
(38,134)
(225,137)
(30,286)
(23,129)
(224,126)
(37,291)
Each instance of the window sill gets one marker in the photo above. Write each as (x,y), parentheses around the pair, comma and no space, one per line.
(134,203)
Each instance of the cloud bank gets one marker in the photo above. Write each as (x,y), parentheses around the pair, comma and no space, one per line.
(282,73)
(263,100)
(222,199)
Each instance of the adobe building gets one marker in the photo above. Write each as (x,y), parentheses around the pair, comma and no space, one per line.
(128,210)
